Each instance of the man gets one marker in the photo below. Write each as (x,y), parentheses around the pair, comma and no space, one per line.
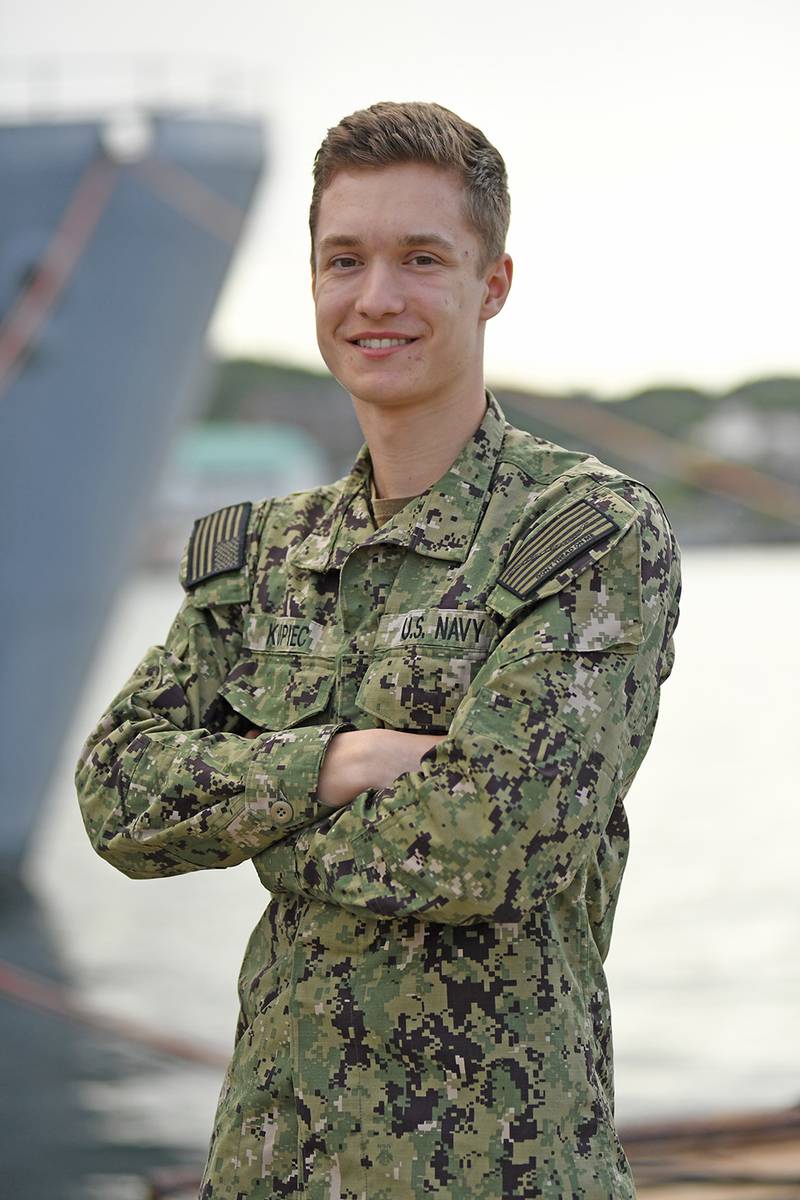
(416,699)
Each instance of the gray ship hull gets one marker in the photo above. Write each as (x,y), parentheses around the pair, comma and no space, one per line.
(109,272)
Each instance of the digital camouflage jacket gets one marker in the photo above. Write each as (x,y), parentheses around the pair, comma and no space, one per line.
(423,1004)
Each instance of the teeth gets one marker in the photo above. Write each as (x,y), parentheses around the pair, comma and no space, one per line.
(382,343)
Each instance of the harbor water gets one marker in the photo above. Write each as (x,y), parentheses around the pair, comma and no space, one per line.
(704,971)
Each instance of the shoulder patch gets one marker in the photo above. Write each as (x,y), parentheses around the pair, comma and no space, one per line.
(548,547)
(217,544)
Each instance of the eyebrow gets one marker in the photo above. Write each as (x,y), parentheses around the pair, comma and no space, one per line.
(426,239)
(347,241)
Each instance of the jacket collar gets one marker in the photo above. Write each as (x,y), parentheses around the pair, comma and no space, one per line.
(440,522)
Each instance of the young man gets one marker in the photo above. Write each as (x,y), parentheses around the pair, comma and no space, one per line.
(416,699)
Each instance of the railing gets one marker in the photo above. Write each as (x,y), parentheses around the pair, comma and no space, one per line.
(59,88)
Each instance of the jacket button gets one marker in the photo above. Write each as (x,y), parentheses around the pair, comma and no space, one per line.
(282,812)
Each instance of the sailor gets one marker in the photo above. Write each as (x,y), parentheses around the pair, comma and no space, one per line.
(416,699)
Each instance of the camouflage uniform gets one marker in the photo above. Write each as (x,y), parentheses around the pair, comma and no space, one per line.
(423,1003)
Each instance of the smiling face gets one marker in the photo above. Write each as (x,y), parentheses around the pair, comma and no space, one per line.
(401,304)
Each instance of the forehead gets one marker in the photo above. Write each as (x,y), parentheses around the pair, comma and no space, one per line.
(386,202)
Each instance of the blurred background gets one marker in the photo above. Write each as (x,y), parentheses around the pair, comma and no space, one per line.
(158,360)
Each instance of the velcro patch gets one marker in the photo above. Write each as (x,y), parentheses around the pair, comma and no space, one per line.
(217,544)
(548,547)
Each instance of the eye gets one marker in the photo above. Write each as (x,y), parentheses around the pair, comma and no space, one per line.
(344,262)
(424,260)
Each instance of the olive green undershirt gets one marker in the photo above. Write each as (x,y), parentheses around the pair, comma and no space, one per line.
(382,510)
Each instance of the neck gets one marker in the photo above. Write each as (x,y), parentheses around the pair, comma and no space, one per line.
(412,447)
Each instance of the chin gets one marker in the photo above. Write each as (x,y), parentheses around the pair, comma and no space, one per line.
(377,390)
(387,397)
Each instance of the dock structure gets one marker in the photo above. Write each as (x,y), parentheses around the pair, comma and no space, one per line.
(746,1156)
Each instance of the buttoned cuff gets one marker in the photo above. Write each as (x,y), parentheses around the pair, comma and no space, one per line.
(280,792)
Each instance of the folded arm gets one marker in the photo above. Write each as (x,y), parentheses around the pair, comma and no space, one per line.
(167,784)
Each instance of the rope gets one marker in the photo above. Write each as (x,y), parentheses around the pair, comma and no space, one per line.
(55,268)
(192,199)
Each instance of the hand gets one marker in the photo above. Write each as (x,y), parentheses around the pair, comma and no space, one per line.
(392,753)
(366,758)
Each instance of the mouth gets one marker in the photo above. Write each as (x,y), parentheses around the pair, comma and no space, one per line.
(381,343)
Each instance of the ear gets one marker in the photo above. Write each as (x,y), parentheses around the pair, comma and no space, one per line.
(497,283)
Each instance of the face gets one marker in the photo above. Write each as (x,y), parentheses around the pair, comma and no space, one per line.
(400,305)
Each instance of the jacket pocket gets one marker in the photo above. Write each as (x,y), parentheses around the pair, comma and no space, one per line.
(285,673)
(277,690)
(416,689)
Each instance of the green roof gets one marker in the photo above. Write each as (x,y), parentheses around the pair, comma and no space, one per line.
(243,447)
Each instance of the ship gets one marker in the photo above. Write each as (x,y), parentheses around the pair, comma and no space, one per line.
(117,232)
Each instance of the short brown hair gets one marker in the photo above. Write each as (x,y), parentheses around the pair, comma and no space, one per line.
(387,133)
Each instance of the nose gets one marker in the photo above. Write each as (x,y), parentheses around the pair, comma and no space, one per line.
(380,292)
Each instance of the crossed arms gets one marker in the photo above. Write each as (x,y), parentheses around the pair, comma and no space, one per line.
(480,824)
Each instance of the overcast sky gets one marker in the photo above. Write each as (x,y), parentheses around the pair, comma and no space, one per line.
(652,151)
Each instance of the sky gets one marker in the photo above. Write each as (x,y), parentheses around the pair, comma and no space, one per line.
(652,152)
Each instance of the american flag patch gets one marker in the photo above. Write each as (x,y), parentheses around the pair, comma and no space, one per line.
(217,544)
(549,547)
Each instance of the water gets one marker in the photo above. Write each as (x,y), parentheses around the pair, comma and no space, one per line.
(704,972)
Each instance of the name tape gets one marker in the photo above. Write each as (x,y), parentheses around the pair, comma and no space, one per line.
(466,628)
(282,633)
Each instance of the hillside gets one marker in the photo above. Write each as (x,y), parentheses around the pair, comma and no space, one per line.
(672,438)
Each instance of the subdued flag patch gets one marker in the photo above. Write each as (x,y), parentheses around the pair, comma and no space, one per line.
(217,544)
(549,547)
